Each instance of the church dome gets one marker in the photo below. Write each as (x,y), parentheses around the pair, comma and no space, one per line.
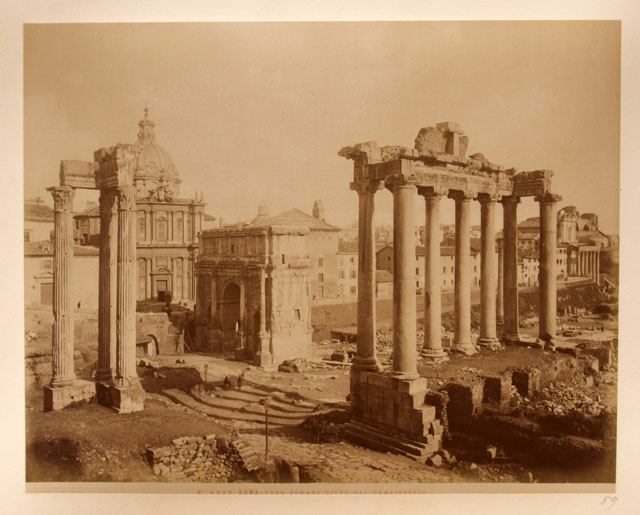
(155,174)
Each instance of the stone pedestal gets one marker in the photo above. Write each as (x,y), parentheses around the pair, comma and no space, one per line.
(123,399)
(60,397)
(389,415)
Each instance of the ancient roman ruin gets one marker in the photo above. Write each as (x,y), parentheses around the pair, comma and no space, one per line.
(253,294)
(117,384)
(389,410)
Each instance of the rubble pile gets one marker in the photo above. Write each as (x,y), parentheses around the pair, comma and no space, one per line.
(562,398)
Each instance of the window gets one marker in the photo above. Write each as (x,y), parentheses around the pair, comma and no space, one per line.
(283,259)
(444,269)
(46,294)
(320,277)
(352,274)
(341,274)
(46,264)
(353,260)
(475,268)
(320,261)
(451,269)
(297,314)
(161,229)
(142,227)
(353,290)
(27,236)
(417,271)
(388,258)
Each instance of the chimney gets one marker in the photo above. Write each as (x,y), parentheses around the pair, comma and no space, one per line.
(318,210)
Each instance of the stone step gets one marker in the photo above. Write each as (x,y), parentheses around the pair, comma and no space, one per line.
(250,407)
(225,413)
(252,394)
(375,439)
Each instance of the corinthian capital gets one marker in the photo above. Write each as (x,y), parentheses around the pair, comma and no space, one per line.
(547,198)
(62,197)
(126,197)
(366,187)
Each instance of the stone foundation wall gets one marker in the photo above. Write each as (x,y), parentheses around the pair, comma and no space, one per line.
(210,458)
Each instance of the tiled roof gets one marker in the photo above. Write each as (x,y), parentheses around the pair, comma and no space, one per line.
(37,212)
(347,247)
(296,218)
(45,248)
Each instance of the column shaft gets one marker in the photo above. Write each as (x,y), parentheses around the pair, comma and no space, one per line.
(62,344)
(462,292)
(500,292)
(404,282)
(432,280)
(126,308)
(510,264)
(488,272)
(366,352)
(107,285)
(548,268)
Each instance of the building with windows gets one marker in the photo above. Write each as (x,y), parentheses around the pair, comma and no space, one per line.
(168,227)
(384,261)
(38,221)
(322,243)
(347,269)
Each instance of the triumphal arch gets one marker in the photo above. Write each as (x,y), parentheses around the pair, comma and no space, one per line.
(117,384)
(388,409)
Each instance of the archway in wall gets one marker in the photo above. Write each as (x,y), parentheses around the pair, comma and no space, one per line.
(230,311)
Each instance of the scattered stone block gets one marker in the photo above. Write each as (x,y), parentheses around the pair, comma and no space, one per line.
(435,460)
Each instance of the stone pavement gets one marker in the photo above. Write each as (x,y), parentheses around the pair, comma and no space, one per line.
(346,463)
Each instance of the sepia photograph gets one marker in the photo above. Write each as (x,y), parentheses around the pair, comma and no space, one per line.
(288,256)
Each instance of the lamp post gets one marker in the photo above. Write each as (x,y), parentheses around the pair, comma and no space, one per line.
(265,403)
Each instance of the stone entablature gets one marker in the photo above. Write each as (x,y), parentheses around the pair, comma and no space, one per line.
(253,293)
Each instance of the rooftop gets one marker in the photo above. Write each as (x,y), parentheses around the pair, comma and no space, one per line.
(296,218)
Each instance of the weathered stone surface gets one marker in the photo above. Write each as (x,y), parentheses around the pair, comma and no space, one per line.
(56,398)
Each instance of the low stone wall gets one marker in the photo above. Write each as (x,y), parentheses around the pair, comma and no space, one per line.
(211,458)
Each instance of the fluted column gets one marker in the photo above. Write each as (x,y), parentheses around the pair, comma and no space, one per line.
(107,285)
(462,292)
(366,352)
(548,269)
(63,373)
(126,374)
(488,271)
(510,263)
(598,267)
(500,292)
(404,280)
(432,348)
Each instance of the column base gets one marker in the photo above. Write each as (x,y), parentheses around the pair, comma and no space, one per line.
(263,359)
(468,349)
(433,356)
(59,397)
(512,339)
(546,344)
(390,415)
(366,364)
(123,399)
(489,343)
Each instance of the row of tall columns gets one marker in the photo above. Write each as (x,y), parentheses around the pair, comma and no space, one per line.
(499,274)
(589,265)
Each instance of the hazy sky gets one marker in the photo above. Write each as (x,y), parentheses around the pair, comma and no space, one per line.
(257,111)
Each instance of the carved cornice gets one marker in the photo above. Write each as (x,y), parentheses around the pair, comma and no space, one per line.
(460,196)
(62,197)
(510,200)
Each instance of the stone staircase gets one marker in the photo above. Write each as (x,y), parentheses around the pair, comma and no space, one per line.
(244,405)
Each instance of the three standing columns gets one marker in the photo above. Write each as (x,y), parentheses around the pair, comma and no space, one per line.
(488,271)
(432,348)
(510,330)
(462,292)
(547,270)
(366,355)
(404,280)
